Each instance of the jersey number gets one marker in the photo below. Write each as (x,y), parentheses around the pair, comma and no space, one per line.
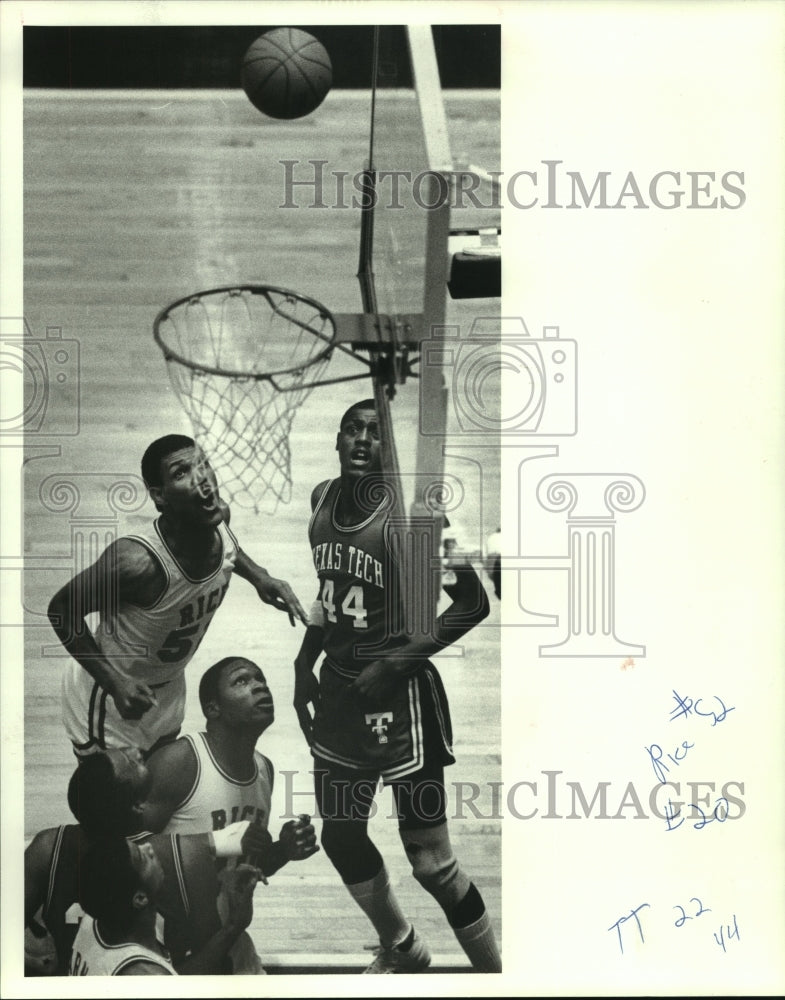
(178,644)
(352,605)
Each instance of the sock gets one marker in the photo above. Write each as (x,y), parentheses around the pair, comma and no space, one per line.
(377,901)
(479,943)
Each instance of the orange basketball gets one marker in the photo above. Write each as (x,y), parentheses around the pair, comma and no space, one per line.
(286,73)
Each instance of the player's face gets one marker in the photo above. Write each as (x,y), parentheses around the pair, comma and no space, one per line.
(189,489)
(147,867)
(244,696)
(359,443)
(130,769)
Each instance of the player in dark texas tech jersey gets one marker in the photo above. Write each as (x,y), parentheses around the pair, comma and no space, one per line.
(355,565)
(383,713)
(156,594)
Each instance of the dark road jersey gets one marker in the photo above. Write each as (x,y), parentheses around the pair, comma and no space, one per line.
(358,582)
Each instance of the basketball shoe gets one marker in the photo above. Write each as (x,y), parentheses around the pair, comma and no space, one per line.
(411,955)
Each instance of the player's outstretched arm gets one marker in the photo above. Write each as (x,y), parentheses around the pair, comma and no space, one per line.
(143,968)
(38,855)
(126,573)
(277,593)
(296,842)
(306,685)
(238,888)
(470,605)
(173,770)
(194,934)
(38,870)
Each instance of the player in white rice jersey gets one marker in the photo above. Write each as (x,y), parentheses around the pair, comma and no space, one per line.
(156,594)
(203,782)
(106,795)
(119,887)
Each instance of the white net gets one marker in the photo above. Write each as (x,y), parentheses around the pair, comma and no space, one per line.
(242,360)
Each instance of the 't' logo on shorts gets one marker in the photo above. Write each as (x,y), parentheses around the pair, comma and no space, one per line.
(378,723)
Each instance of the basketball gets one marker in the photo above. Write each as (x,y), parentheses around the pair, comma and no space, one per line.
(286,73)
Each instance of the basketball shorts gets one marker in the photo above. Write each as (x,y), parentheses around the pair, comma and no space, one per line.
(93,722)
(392,739)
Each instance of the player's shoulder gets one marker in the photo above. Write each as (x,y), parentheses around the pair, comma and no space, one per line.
(178,753)
(174,767)
(265,766)
(134,558)
(42,846)
(318,491)
(144,967)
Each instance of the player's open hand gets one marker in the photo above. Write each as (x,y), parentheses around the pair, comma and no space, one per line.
(256,843)
(133,698)
(298,838)
(238,886)
(280,595)
(306,692)
(375,682)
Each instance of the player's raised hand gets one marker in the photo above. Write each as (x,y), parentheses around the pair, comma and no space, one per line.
(280,595)
(256,844)
(238,886)
(298,838)
(306,692)
(132,697)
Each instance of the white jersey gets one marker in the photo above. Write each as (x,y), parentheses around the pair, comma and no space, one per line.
(152,644)
(92,956)
(215,799)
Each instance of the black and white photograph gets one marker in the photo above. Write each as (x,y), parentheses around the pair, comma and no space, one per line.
(281,197)
(454,333)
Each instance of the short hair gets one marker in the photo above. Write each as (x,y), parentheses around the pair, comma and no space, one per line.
(211,679)
(108,881)
(102,805)
(157,451)
(364,404)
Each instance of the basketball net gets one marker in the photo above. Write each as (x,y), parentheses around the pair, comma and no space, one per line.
(242,360)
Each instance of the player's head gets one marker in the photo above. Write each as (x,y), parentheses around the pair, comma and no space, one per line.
(359,443)
(107,791)
(181,481)
(234,694)
(119,880)
(157,452)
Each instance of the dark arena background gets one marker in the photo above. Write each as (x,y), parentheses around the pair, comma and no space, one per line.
(206,57)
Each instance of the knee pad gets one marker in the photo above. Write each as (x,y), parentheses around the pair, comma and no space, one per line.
(435,866)
(350,849)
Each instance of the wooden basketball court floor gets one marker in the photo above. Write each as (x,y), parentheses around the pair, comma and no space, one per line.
(132,200)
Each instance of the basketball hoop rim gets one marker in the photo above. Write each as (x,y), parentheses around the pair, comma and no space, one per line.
(257,289)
